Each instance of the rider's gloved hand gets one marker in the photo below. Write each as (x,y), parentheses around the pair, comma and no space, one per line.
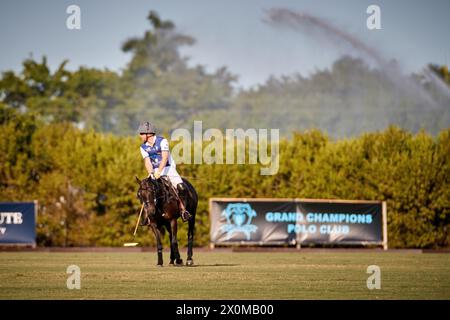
(156,174)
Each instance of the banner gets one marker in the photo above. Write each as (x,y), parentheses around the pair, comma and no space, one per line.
(18,223)
(296,222)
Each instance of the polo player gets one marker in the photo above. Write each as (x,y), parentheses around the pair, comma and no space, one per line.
(159,162)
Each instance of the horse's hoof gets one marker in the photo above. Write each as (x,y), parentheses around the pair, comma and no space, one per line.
(179,262)
(190,263)
(171,264)
(159,265)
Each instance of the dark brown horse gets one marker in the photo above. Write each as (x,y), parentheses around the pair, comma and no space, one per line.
(162,210)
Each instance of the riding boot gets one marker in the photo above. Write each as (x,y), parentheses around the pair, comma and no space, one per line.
(182,194)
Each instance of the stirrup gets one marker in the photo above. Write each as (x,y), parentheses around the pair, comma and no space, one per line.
(185,215)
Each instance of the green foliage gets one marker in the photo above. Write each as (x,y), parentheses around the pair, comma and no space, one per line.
(84,180)
(347,100)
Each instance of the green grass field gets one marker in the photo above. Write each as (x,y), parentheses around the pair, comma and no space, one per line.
(225,275)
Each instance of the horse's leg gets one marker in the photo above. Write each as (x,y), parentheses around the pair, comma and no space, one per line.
(191,228)
(174,226)
(172,253)
(157,233)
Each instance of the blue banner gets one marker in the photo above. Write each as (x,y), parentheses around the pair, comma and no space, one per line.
(18,223)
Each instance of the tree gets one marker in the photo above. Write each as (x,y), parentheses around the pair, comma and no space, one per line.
(166,89)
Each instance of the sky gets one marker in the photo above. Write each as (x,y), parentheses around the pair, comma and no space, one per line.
(228,33)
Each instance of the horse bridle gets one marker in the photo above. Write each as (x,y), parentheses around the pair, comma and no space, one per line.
(155,198)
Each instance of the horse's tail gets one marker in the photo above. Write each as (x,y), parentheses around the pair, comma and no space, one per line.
(191,190)
(192,208)
(193,197)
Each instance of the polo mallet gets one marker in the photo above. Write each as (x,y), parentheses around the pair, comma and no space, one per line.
(133,244)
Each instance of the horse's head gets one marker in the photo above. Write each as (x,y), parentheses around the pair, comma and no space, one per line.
(147,195)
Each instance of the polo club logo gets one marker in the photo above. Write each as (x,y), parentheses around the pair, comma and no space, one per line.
(239,217)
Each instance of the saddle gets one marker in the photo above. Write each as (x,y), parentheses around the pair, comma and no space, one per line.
(168,190)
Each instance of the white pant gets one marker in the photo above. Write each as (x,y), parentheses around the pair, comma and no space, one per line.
(172,174)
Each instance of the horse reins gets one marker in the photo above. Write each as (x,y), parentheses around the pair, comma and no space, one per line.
(156,198)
